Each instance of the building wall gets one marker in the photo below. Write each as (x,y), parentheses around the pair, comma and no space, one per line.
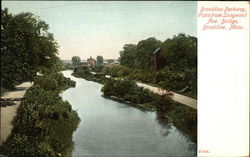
(157,61)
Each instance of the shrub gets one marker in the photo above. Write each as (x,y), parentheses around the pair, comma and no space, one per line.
(44,123)
(164,102)
(22,145)
(128,90)
(54,82)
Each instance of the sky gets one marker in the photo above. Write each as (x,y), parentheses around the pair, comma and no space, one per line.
(85,29)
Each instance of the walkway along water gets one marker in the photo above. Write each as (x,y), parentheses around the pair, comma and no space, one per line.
(176,97)
(8,112)
(109,128)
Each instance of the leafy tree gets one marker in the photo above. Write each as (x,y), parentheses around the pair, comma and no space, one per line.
(75,61)
(99,60)
(26,48)
(127,55)
(144,51)
(181,52)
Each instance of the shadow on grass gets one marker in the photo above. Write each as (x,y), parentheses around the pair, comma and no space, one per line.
(6,103)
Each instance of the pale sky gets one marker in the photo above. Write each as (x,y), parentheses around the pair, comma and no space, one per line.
(94,28)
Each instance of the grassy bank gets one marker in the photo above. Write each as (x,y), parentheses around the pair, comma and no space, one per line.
(44,123)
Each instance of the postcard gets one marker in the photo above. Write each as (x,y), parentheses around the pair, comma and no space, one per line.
(124,79)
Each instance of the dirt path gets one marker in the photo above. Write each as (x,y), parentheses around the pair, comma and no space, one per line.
(7,113)
(177,97)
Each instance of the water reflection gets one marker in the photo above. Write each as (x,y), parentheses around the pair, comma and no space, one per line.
(165,123)
(166,128)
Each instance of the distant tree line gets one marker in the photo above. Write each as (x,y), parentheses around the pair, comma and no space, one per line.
(180,52)
(26,48)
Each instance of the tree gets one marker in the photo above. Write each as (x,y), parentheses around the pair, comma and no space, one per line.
(181,58)
(99,60)
(75,61)
(181,52)
(26,48)
(127,55)
(179,61)
(144,51)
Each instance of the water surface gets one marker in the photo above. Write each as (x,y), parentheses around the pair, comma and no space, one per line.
(109,128)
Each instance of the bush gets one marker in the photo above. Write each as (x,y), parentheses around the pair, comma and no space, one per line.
(164,103)
(44,123)
(55,82)
(84,72)
(128,90)
(22,145)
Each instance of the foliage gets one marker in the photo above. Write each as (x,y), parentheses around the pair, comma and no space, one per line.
(144,52)
(138,56)
(3,90)
(127,55)
(179,73)
(81,71)
(165,78)
(99,60)
(22,145)
(44,123)
(6,103)
(181,52)
(76,60)
(26,47)
(110,61)
(128,90)
(54,82)
(164,102)
(84,72)
(68,66)
(185,119)
(98,69)
(117,71)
